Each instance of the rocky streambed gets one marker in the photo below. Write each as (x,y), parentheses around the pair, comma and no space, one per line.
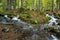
(25,31)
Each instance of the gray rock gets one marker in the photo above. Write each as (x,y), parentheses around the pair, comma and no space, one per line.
(59,22)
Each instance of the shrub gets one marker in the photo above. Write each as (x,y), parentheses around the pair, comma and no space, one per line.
(34,21)
(25,16)
(46,19)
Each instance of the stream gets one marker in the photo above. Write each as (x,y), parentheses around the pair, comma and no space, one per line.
(25,26)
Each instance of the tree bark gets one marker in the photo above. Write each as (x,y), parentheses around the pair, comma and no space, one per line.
(22,3)
(32,4)
(52,5)
(14,4)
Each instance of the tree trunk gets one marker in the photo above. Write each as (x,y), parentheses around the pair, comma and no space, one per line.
(58,4)
(33,5)
(18,4)
(52,5)
(14,4)
(10,4)
(22,3)
(37,4)
(7,5)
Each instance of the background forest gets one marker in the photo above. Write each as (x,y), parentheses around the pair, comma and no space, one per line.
(30,10)
(29,4)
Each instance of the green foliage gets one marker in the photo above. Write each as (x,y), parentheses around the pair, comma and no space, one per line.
(57,15)
(34,21)
(46,19)
(0,0)
(10,15)
(42,13)
(27,4)
(25,15)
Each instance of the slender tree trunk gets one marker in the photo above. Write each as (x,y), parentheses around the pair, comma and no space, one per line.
(59,5)
(32,4)
(22,3)
(10,4)
(52,5)
(37,4)
(18,4)
(7,5)
(14,4)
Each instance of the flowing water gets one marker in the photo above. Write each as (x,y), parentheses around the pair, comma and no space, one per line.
(52,37)
(27,26)
(52,20)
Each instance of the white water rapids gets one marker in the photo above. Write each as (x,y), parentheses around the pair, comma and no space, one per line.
(54,38)
(52,20)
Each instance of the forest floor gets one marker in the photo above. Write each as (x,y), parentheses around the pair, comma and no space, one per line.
(11,34)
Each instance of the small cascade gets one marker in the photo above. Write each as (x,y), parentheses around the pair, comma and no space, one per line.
(19,22)
(15,18)
(52,20)
(6,16)
(54,38)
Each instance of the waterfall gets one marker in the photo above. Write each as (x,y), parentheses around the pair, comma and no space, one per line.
(52,20)
(6,16)
(54,38)
(19,22)
(15,18)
